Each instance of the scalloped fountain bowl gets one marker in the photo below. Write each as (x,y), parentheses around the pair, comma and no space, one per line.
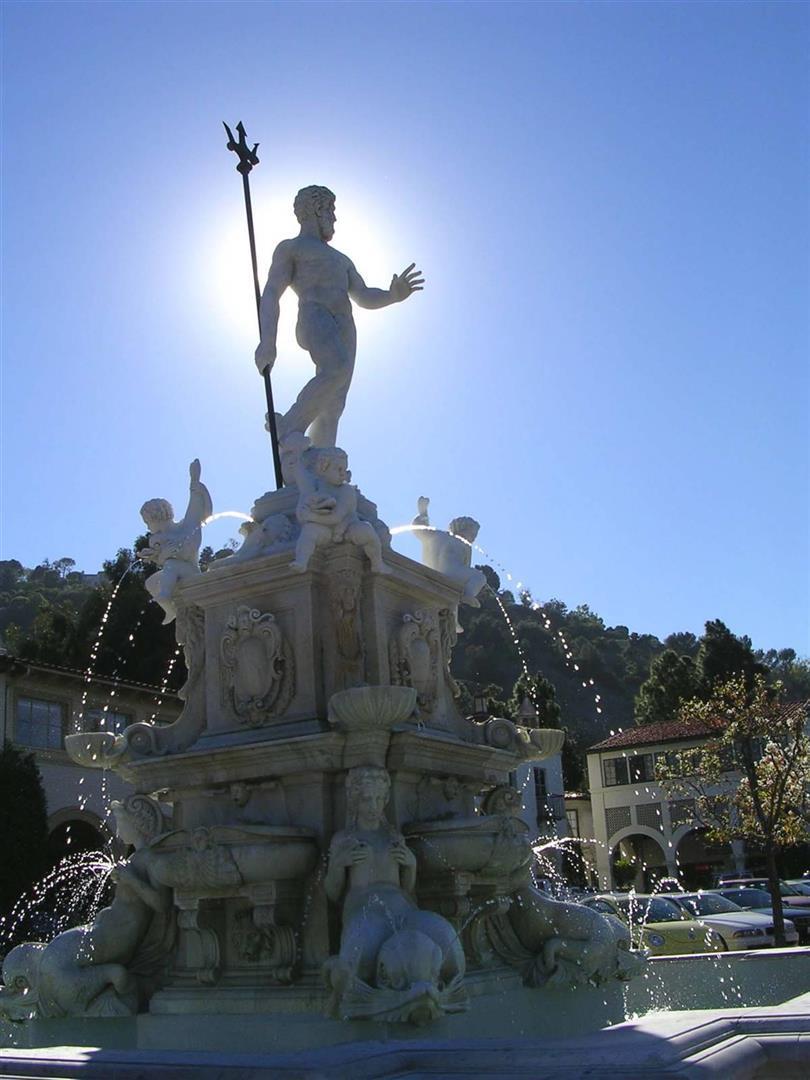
(94,749)
(372,708)
(489,846)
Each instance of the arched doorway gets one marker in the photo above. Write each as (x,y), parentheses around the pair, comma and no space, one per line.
(638,861)
(71,837)
(699,861)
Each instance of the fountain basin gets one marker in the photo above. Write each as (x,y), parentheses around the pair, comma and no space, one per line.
(487,845)
(371,708)
(223,856)
(95,749)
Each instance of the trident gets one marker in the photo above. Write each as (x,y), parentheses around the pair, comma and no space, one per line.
(247,159)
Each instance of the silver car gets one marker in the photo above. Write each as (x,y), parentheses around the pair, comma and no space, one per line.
(738,928)
(760,900)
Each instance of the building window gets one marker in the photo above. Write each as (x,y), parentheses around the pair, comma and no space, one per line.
(615,771)
(105,720)
(540,796)
(40,723)
(642,768)
(572,817)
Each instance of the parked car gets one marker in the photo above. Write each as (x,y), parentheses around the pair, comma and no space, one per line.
(662,926)
(738,928)
(788,892)
(731,875)
(801,885)
(760,900)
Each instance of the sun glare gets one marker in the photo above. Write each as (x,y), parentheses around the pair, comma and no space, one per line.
(223,263)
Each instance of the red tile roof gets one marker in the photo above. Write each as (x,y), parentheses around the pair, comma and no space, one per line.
(674,730)
(665,731)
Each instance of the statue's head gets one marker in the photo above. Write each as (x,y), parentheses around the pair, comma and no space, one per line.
(157,513)
(367,790)
(316,203)
(465,527)
(332,464)
(138,820)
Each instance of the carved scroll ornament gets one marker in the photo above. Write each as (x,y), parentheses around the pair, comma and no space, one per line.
(258,674)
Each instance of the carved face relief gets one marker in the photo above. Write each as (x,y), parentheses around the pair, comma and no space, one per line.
(367,789)
(258,678)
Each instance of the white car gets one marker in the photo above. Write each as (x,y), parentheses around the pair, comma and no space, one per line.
(739,929)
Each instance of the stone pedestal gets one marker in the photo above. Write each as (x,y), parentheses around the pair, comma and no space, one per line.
(342,838)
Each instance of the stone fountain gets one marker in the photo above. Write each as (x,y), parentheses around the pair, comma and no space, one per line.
(326,850)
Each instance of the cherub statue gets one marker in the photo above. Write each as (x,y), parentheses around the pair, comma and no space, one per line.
(327,508)
(395,961)
(109,967)
(450,552)
(175,545)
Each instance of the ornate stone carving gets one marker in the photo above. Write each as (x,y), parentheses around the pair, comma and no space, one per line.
(366,715)
(199,950)
(450,551)
(415,656)
(556,944)
(350,653)
(503,799)
(111,967)
(327,507)
(263,536)
(531,744)
(105,750)
(258,676)
(258,938)
(448,632)
(396,962)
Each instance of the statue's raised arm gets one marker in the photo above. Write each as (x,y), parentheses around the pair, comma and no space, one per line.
(200,505)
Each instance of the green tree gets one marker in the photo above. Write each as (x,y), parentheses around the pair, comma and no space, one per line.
(673,679)
(118,630)
(789,669)
(751,780)
(689,668)
(542,695)
(683,643)
(723,656)
(23,826)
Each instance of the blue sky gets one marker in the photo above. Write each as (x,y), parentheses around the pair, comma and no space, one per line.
(608,366)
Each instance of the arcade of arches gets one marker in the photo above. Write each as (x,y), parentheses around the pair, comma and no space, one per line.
(693,860)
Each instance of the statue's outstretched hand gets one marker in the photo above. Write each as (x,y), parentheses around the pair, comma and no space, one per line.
(265,356)
(195,471)
(409,281)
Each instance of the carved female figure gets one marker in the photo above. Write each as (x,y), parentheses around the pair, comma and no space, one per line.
(395,961)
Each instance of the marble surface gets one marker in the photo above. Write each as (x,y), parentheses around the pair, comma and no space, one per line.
(732,1044)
